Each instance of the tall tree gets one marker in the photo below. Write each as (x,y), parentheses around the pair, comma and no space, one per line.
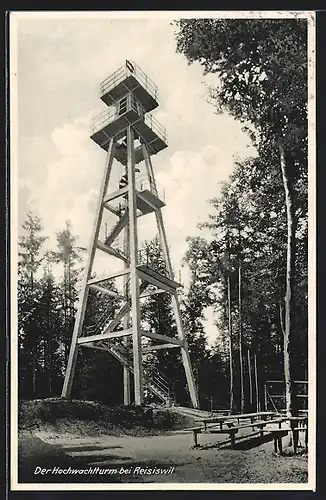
(49,320)
(30,258)
(262,71)
(68,254)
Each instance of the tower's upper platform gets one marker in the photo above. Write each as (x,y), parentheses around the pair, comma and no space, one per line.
(130,78)
(113,122)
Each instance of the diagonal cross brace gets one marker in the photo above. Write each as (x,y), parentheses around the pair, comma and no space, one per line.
(117,229)
(123,311)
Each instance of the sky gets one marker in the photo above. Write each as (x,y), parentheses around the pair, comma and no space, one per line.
(59,63)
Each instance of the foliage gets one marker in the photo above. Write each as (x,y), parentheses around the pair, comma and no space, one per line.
(75,415)
(261,67)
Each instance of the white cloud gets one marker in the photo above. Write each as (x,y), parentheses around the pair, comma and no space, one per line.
(61,64)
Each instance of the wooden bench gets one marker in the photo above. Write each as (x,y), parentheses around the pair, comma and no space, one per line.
(295,432)
(278,434)
(231,429)
(299,425)
(231,418)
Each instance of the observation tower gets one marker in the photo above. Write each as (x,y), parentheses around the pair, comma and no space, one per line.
(129,134)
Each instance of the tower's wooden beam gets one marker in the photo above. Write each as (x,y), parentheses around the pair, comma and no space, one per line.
(122,311)
(151,292)
(154,281)
(112,209)
(126,321)
(134,280)
(107,292)
(111,251)
(110,276)
(164,338)
(96,346)
(117,229)
(104,336)
(158,347)
(118,317)
(116,194)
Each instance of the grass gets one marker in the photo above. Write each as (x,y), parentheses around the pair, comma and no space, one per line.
(90,418)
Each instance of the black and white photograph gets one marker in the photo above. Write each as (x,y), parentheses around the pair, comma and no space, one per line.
(163,250)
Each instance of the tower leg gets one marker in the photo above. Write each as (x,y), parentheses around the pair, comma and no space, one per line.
(126,386)
(175,301)
(126,323)
(185,354)
(134,280)
(70,371)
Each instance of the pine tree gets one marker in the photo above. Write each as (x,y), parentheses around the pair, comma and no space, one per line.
(30,259)
(68,255)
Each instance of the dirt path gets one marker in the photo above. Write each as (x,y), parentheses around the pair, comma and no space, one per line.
(253,461)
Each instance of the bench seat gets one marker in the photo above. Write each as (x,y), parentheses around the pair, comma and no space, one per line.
(231,429)
(276,433)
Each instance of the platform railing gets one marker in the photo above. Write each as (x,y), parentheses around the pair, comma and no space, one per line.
(144,183)
(156,127)
(153,377)
(122,73)
(112,113)
(152,261)
(103,119)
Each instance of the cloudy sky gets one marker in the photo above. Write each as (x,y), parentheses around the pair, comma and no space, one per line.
(58,62)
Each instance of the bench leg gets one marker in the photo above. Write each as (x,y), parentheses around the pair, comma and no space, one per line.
(232,437)
(195,435)
(295,435)
(278,443)
(275,444)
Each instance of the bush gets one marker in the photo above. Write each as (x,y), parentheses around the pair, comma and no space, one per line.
(56,411)
(50,410)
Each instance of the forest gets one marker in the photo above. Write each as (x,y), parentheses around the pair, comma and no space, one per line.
(252,270)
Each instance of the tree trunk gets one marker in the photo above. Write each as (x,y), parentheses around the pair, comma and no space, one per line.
(290,398)
(256,384)
(49,350)
(34,373)
(250,379)
(230,347)
(240,344)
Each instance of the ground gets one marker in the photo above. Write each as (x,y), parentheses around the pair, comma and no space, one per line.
(253,461)
(111,442)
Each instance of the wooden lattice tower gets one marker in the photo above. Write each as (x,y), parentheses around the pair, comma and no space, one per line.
(129,134)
